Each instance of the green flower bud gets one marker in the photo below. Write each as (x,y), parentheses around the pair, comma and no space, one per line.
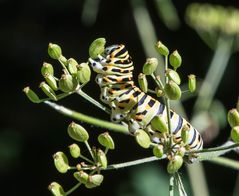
(51,81)
(32,96)
(175,60)
(142,138)
(159,92)
(172,90)
(173,75)
(158,151)
(56,189)
(81,176)
(106,140)
(143,83)
(75,150)
(72,65)
(150,66)
(101,157)
(54,51)
(47,68)
(233,117)
(185,134)
(192,83)
(48,91)
(61,162)
(174,164)
(235,134)
(97,47)
(67,83)
(83,73)
(77,132)
(94,181)
(161,49)
(159,124)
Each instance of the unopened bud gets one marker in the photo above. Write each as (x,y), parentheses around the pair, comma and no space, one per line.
(150,66)
(54,51)
(159,124)
(175,59)
(143,83)
(173,75)
(159,92)
(172,90)
(77,132)
(48,91)
(47,68)
(192,83)
(75,150)
(67,83)
(51,81)
(233,117)
(32,96)
(81,176)
(101,157)
(185,134)
(94,181)
(61,162)
(158,151)
(175,164)
(97,47)
(142,138)
(106,140)
(56,189)
(161,49)
(72,65)
(235,134)
(83,73)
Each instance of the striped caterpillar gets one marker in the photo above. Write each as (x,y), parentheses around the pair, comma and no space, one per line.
(128,103)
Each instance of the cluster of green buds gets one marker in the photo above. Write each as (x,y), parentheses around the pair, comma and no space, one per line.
(170,147)
(213,18)
(74,76)
(88,170)
(233,120)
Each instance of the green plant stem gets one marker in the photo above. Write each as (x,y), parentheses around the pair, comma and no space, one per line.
(171,185)
(63,64)
(87,119)
(220,148)
(226,162)
(93,101)
(86,159)
(73,189)
(181,189)
(214,74)
(90,150)
(132,163)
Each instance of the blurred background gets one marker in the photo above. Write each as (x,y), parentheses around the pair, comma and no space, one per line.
(31,133)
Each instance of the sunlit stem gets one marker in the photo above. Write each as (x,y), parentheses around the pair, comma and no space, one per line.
(171,185)
(90,150)
(86,159)
(73,189)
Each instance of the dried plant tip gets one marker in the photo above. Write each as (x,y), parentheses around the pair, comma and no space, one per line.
(61,162)
(161,49)
(150,66)
(32,96)
(191,83)
(83,73)
(97,47)
(235,134)
(173,75)
(68,83)
(143,83)
(75,150)
(172,90)
(54,51)
(174,164)
(175,59)
(56,189)
(158,151)
(142,138)
(81,176)
(48,91)
(77,132)
(233,117)
(106,140)
(101,157)
(158,123)
(72,66)
(47,68)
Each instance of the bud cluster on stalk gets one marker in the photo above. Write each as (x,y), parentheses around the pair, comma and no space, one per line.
(233,120)
(88,170)
(73,76)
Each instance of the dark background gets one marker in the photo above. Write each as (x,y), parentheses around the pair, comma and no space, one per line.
(31,133)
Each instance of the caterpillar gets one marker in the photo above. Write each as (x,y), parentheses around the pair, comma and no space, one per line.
(128,103)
